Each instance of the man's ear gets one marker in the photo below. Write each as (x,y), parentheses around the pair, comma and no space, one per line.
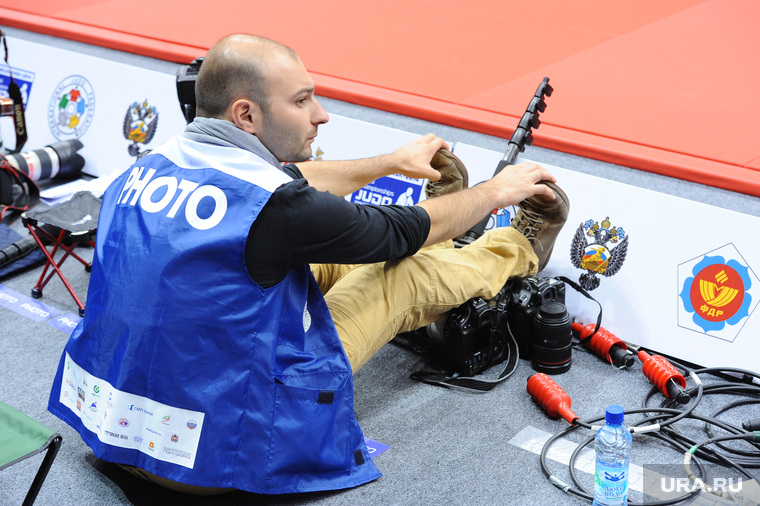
(246,114)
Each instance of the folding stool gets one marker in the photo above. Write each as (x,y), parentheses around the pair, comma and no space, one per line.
(77,220)
(22,437)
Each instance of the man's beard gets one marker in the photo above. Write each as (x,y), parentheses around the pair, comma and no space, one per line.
(285,144)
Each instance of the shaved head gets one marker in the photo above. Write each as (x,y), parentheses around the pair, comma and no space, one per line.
(263,88)
(236,67)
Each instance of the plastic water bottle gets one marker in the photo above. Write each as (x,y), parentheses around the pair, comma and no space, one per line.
(613,444)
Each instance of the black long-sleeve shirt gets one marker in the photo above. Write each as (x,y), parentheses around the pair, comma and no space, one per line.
(301,225)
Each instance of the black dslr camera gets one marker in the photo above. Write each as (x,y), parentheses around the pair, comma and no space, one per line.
(529,312)
(540,323)
(473,337)
(186,76)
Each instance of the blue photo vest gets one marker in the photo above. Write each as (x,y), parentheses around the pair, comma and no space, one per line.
(185,367)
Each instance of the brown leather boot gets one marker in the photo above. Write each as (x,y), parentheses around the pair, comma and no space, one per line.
(453,174)
(540,219)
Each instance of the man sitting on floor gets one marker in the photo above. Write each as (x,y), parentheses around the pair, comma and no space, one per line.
(232,297)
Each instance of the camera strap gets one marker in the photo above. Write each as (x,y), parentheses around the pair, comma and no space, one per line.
(19,120)
(12,206)
(484,385)
(471,384)
(582,291)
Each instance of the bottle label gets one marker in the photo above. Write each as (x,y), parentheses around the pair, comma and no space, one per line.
(611,485)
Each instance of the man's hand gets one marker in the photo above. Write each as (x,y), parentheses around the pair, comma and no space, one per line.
(454,213)
(413,158)
(516,183)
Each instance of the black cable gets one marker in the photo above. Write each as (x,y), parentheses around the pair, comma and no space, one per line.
(666,415)
(752,459)
(745,436)
(682,414)
(676,500)
(727,388)
(578,490)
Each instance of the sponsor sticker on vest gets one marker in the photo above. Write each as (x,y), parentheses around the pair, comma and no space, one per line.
(131,421)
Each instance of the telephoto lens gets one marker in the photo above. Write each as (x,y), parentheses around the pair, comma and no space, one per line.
(59,159)
(552,339)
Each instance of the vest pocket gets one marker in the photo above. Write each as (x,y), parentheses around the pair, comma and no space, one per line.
(311,429)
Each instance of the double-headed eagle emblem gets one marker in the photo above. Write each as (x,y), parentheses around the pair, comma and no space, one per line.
(140,124)
(596,256)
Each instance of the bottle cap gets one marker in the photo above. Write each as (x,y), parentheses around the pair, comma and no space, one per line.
(614,414)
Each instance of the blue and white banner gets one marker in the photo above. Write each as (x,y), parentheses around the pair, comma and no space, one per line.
(111,107)
(686,285)
(23,78)
(676,276)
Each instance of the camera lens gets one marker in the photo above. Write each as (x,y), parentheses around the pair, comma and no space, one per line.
(55,160)
(552,339)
